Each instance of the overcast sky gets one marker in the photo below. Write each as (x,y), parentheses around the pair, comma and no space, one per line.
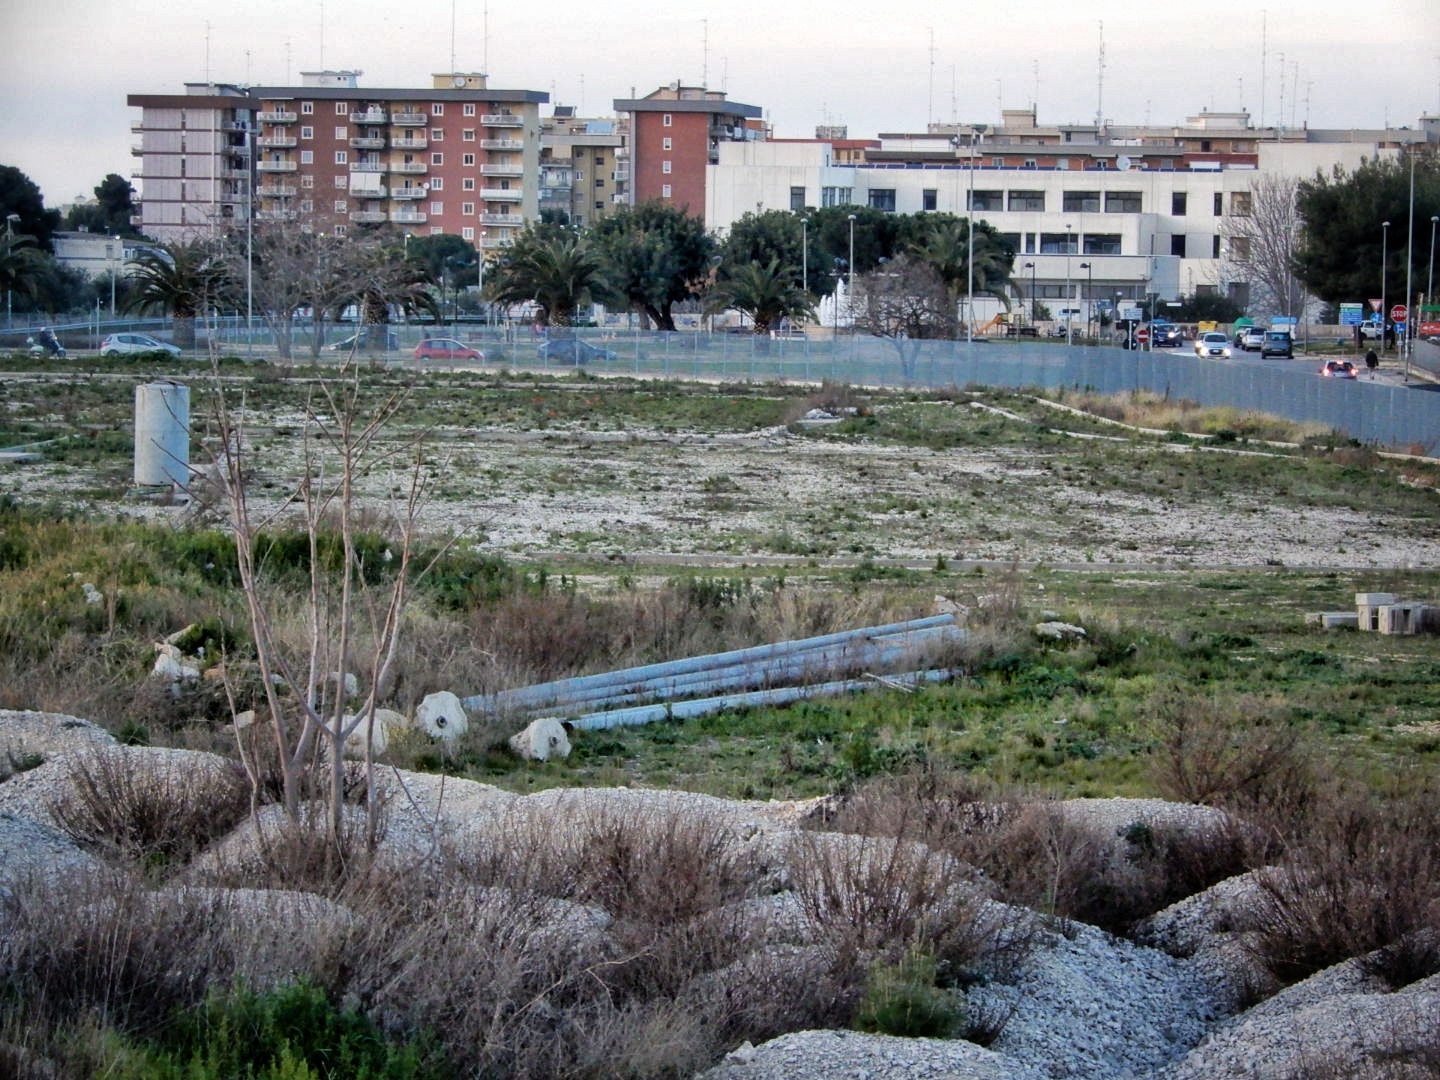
(871,66)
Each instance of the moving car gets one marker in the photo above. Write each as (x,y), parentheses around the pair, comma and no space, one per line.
(1338,369)
(1277,343)
(1250,337)
(572,351)
(1166,335)
(1212,343)
(440,348)
(135,344)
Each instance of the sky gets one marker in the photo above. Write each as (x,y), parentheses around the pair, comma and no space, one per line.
(885,67)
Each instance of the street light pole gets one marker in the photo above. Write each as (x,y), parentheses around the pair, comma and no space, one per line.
(805,255)
(1089,292)
(1430,280)
(10,220)
(1031,267)
(850,284)
(1384,257)
(977,131)
(110,247)
(1069,322)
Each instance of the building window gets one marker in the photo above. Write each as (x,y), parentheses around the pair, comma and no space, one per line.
(437,208)
(665,190)
(929,199)
(468,209)
(341,133)
(665,166)
(340,230)
(600,159)
(1219,204)
(306,206)
(1062,163)
(437,134)
(599,181)
(342,109)
(306,108)
(467,159)
(1027,200)
(797,198)
(307,157)
(1011,239)
(599,206)
(469,109)
(436,230)
(667,120)
(667,143)
(437,109)
(986,200)
(1240,203)
(836,196)
(1177,245)
(342,181)
(1059,244)
(468,135)
(1101,244)
(307,181)
(307,133)
(1029,163)
(1240,248)
(1122,202)
(437,184)
(342,157)
(1081,202)
(882,199)
(468,232)
(437,159)
(1177,204)
(467,183)
(1205,146)
(1215,244)
(339,206)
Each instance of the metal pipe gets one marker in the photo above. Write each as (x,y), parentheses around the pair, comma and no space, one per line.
(540,695)
(685,710)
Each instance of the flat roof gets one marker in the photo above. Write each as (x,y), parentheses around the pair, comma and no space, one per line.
(381,93)
(683,105)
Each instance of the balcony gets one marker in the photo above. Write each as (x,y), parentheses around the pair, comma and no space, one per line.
(419,191)
(411,143)
(502,169)
(408,217)
(278,142)
(369,116)
(502,194)
(501,144)
(276,166)
(369,217)
(137,149)
(409,119)
(277,117)
(370,192)
(409,168)
(368,142)
(621,173)
(276,191)
(493,243)
(276,215)
(137,220)
(368,166)
(496,120)
(502,219)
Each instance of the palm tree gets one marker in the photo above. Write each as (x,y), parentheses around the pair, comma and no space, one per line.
(181,279)
(20,262)
(385,279)
(946,250)
(763,291)
(551,266)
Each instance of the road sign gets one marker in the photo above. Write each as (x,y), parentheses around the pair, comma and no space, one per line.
(1131,313)
(1352,314)
(1376,305)
(1284,320)
(1398,313)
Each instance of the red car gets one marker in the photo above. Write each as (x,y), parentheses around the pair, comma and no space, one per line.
(439,348)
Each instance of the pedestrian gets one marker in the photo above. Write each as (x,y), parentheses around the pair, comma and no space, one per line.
(1372,362)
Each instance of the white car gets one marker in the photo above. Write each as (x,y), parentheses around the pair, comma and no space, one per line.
(132,344)
(1212,344)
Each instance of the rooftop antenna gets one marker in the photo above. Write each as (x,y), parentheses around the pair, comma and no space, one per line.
(954,103)
(1240,88)
(1280,124)
(485,40)
(207,51)
(287,61)
(1100,82)
(1294,90)
(1262,68)
(247,67)
(705,49)
(930,101)
(1147,112)
(452,37)
(582,94)
(322,35)
(1035,100)
(1308,85)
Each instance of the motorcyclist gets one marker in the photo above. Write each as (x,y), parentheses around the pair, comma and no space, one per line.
(51,342)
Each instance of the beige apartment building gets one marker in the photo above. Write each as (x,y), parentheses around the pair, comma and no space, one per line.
(458,158)
(584,166)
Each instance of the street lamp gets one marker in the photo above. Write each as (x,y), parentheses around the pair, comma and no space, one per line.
(977,131)
(10,220)
(110,258)
(1069,322)
(1430,281)
(850,284)
(1384,256)
(1031,267)
(805,255)
(1089,292)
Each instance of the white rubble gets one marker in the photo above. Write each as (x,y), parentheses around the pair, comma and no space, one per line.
(542,740)
(441,716)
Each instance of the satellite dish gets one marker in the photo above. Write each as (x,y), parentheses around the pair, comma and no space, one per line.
(458,81)
(1122,163)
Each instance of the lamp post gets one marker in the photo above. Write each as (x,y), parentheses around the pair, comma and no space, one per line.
(1069,323)
(805,255)
(1031,267)
(1430,279)
(10,220)
(1089,292)
(850,282)
(977,131)
(110,253)
(1384,256)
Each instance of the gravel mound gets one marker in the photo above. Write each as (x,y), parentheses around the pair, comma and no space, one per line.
(849,1055)
(25,732)
(29,848)
(1111,817)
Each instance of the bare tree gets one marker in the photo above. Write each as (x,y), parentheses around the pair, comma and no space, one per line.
(905,301)
(1261,240)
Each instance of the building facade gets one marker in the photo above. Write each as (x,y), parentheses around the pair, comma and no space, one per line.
(457,158)
(583,166)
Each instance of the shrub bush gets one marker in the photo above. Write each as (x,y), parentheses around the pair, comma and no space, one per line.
(902,999)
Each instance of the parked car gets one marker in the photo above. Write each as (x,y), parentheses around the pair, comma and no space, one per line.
(1338,369)
(572,351)
(1250,338)
(361,339)
(1212,343)
(1277,343)
(446,349)
(134,344)
(1372,331)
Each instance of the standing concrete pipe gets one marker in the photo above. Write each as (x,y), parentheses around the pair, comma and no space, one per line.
(562,691)
(162,434)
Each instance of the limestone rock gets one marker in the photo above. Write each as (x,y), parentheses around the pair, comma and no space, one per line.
(542,740)
(1059,631)
(441,716)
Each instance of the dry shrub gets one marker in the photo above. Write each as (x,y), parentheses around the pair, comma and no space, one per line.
(139,807)
(833,397)
(1363,876)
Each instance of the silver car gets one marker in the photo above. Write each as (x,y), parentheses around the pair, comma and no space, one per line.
(134,344)
(1212,344)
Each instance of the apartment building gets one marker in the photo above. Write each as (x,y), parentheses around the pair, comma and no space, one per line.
(584,162)
(676,133)
(456,158)
(194,159)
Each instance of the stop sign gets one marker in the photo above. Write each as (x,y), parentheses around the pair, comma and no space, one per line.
(1398,313)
